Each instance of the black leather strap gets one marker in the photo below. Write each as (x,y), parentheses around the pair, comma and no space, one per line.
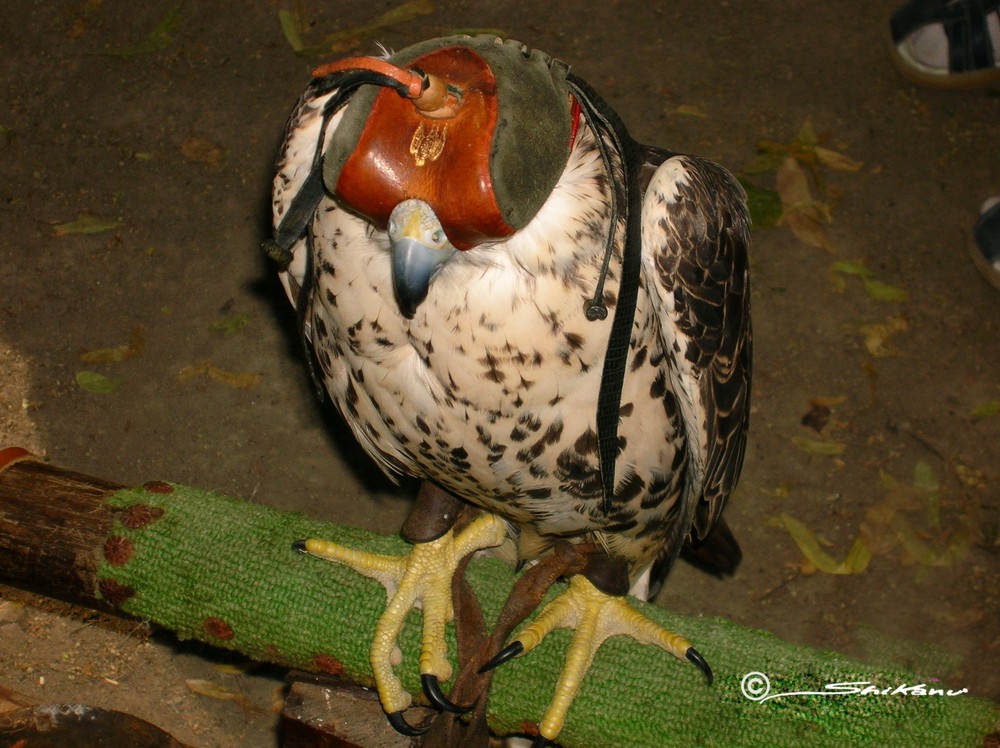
(607,125)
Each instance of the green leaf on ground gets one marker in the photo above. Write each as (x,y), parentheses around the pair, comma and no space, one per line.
(850,267)
(291,26)
(86,224)
(231,324)
(94,382)
(764,204)
(883,291)
(987,409)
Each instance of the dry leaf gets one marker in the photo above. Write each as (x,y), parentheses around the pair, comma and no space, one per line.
(971,476)
(86,224)
(690,111)
(117,353)
(240,380)
(236,668)
(877,336)
(214,691)
(802,213)
(819,446)
(883,291)
(202,151)
(837,161)
(855,562)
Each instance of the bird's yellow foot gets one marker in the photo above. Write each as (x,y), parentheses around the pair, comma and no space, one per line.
(421,579)
(595,616)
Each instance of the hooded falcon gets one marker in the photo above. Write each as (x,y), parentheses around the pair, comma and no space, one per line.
(508,298)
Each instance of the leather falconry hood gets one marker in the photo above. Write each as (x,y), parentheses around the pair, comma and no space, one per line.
(477,127)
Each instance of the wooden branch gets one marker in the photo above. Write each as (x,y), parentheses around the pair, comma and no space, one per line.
(222,571)
(53,523)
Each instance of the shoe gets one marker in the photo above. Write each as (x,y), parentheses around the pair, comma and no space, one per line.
(986,245)
(948,43)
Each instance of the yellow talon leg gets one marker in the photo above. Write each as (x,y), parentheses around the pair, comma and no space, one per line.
(421,579)
(595,616)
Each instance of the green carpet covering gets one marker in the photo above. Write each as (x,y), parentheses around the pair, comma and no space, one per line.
(222,571)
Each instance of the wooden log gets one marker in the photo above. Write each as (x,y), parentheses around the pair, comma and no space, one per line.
(53,523)
(222,571)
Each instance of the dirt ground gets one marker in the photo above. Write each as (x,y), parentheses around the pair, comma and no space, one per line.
(159,159)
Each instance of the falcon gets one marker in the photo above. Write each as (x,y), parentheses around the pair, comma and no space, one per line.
(508,298)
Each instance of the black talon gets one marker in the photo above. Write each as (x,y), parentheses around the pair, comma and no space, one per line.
(299,546)
(433,691)
(509,652)
(699,662)
(400,725)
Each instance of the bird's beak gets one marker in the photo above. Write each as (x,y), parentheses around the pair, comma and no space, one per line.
(413,266)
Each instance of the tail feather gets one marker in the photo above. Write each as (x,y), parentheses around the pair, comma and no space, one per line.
(718,554)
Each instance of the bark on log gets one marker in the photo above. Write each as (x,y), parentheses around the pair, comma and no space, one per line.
(53,523)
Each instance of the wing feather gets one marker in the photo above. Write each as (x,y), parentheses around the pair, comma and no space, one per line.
(695,231)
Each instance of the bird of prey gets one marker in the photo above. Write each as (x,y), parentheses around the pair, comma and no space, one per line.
(578,371)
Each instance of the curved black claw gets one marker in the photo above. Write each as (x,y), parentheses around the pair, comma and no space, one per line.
(299,546)
(509,652)
(400,725)
(699,662)
(433,691)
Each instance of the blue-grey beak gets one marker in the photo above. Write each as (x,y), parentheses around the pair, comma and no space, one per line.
(418,247)
(413,266)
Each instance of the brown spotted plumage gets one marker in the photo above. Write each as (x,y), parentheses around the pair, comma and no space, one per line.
(485,383)
(490,390)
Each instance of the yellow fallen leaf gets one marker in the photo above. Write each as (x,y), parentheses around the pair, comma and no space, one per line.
(877,336)
(883,291)
(240,380)
(835,160)
(819,446)
(117,353)
(86,224)
(212,690)
(987,409)
(921,552)
(690,111)
(971,476)
(236,668)
(855,562)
